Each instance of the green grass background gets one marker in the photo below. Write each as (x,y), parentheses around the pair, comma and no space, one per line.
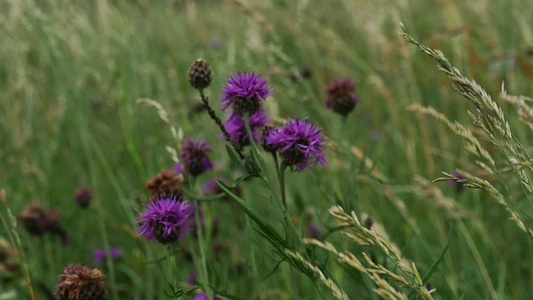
(71,73)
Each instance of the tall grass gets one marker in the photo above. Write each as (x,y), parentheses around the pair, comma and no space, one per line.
(71,75)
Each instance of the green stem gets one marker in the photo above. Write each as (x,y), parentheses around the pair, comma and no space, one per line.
(281,177)
(254,264)
(214,117)
(319,289)
(201,243)
(169,266)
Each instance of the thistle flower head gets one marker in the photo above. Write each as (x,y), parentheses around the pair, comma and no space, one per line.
(165,220)
(194,158)
(38,222)
(264,134)
(200,75)
(299,143)
(236,127)
(245,92)
(165,184)
(341,96)
(81,283)
(83,197)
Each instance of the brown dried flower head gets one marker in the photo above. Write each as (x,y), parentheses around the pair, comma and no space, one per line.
(200,75)
(341,96)
(167,183)
(37,221)
(81,283)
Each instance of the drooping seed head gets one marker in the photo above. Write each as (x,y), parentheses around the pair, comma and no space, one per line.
(200,75)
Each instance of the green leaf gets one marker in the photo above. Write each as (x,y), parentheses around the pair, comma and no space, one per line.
(438,261)
(234,156)
(263,225)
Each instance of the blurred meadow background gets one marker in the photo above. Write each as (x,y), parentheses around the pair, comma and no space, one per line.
(71,75)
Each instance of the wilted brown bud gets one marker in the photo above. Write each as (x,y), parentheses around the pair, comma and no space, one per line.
(200,75)
(81,283)
(167,183)
(83,197)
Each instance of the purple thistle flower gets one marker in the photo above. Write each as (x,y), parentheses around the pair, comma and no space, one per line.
(236,127)
(194,158)
(166,220)
(456,185)
(100,255)
(245,92)
(299,144)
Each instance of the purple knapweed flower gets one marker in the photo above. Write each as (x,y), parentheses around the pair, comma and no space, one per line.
(341,96)
(299,144)
(83,197)
(166,220)
(245,92)
(315,231)
(100,255)
(457,185)
(211,188)
(193,277)
(204,296)
(236,127)
(194,159)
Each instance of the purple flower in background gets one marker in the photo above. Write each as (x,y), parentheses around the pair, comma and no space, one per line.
(194,159)
(83,197)
(193,277)
(100,255)
(210,188)
(341,96)
(166,220)
(315,231)
(237,128)
(456,185)
(299,144)
(203,296)
(245,92)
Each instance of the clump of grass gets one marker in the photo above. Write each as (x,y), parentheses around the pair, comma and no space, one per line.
(489,117)
(405,272)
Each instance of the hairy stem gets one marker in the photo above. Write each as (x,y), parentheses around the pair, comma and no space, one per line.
(217,120)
